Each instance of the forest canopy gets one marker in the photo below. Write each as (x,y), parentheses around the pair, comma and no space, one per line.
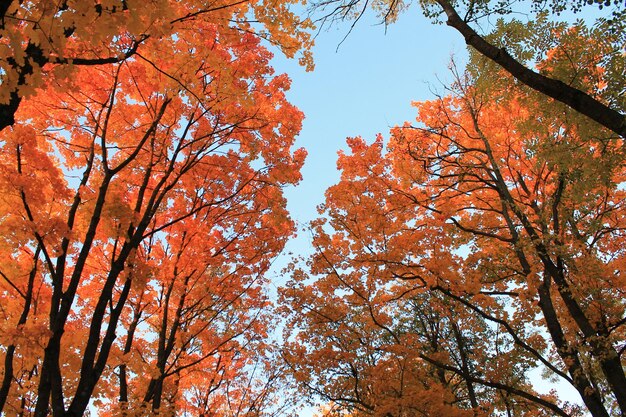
(146,148)
(144,151)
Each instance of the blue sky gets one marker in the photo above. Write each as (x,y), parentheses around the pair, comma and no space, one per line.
(365,85)
(360,88)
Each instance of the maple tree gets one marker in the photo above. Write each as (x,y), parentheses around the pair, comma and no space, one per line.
(480,244)
(144,152)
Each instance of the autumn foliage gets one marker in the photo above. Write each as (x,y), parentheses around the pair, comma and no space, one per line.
(461,268)
(464,257)
(48,39)
(141,204)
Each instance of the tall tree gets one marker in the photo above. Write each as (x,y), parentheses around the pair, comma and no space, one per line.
(507,208)
(141,205)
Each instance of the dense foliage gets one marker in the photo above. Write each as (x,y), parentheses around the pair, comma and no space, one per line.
(144,151)
(145,148)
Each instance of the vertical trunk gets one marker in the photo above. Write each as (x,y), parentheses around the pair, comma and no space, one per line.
(602,349)
(50,390)
(8,376)
(123,395)
(465,366)
(91,375)
(157,394)
(590,396)
(606,355)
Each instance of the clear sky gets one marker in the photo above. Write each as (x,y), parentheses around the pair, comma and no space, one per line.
(362,87)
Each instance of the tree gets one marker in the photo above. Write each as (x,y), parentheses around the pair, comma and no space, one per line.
(141,206)
(401,357)
(501,46)
(505,209)
(44,38)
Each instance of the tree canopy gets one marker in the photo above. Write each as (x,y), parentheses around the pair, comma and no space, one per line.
(475,246)
(44,39)
(145,150)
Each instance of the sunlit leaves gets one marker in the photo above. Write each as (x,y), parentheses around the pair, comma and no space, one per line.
(142,204)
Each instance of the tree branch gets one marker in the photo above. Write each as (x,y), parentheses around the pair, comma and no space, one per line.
(556,89)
